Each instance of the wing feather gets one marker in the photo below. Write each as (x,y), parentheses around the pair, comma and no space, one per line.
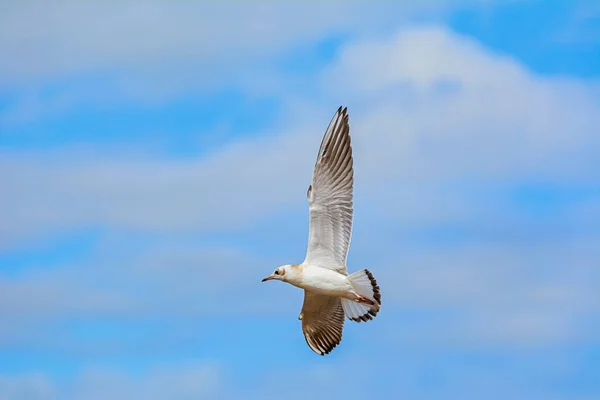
(322,322)
(330,197)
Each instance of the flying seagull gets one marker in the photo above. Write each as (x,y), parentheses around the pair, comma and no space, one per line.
(330,293)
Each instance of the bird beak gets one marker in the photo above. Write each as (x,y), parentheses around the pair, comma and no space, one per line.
(268,278)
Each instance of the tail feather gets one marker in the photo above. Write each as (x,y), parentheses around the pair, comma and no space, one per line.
(366,286)
(357,312)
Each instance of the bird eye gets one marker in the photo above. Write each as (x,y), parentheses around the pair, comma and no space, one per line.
(276,272)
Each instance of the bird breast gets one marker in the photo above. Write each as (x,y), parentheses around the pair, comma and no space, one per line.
(324,281)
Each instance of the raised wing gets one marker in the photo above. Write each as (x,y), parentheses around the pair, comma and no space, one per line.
(330,198)
(322,322)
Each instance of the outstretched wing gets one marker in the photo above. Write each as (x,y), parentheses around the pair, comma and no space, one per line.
(322,322)
(330,198)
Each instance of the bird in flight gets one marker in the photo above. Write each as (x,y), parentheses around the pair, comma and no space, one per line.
(330,293)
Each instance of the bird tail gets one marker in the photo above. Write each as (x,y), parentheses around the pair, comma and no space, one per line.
(366,286)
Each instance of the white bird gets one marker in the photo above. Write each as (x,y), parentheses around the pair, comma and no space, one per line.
(329,292)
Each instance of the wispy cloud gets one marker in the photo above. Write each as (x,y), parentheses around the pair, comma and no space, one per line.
(100,53)
(174,382)
(497,121)
(476,205)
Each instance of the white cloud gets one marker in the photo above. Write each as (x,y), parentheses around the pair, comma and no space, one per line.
(175,280)
(440,126)
(522,295)
(437,122)
(512,294)
(230,188)
(181,381)
(498,123)
(70,37)
(447,107)
(100,54)
(26,386)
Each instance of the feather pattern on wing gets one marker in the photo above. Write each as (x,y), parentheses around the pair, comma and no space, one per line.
(330,198)
(322,322)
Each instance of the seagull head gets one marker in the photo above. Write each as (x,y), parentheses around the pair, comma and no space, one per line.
(279,273)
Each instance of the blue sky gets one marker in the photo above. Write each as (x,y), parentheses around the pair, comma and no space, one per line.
(155,158)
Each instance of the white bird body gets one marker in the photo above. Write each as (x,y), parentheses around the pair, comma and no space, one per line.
(320,280)
(329,292)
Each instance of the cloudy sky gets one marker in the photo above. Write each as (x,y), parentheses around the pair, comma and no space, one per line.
(154,161)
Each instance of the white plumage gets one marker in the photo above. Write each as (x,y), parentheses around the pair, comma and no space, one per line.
(329,292)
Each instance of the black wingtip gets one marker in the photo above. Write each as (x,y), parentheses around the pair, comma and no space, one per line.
(344,113)
(342,110)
